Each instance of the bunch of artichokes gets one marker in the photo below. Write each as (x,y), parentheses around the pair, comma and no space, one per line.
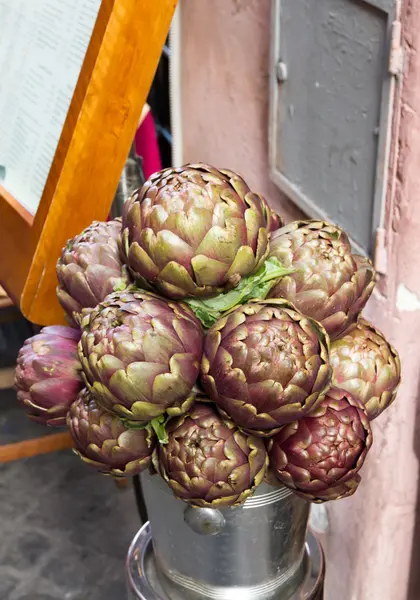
(234,352)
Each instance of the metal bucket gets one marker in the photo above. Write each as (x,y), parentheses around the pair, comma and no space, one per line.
(253,552)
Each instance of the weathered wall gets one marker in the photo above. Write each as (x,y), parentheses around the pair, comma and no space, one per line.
(376,535)
(373,542)
(225,46)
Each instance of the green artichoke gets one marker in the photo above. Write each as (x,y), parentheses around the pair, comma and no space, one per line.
(191,231)
(266,365)
(103,441)
(48,374)
(140,355)
(367,366)
(322,452)
(90,268)
(209,462)
(330,284)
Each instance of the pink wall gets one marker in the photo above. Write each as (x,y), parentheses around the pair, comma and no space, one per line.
(225,46)
(373,540)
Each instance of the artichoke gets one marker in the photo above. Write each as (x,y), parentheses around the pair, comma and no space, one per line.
(330,284)
(90,268)
(140,355)
(48,374)
(103,441)
(209,462)
(367,366)
(191,231)
(265,365)
(322,452)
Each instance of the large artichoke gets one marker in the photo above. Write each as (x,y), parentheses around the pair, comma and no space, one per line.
(318,455)
(48,374)
(90,268)
(103,441)
(330,284)
(193,230)
(366,365)
(209,462)
(141,355)
(265,365)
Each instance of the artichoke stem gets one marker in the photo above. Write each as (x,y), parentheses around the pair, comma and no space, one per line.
(158,426)
(255,286)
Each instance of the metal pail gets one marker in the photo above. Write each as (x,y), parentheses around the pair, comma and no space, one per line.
(252,552)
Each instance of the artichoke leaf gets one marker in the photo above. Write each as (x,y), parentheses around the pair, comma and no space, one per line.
(256,285)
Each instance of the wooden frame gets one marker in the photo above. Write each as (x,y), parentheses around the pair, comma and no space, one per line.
(33,447)
(111,91)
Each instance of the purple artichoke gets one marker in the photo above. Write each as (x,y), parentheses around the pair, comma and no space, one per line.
(265,365)
(330,285)
(191,231)
(209,462)
(322,452)
(48,374)
(103,441)
(90,268)
(367,366)
(141,355)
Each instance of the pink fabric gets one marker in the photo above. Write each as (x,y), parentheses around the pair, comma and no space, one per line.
(146,145)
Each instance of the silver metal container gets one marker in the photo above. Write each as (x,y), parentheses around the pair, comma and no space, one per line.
(253,552)
(132,178)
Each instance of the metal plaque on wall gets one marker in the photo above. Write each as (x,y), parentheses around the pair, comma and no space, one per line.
(333,70)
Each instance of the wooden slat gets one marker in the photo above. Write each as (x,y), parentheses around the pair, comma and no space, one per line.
(29,448)
(7,378)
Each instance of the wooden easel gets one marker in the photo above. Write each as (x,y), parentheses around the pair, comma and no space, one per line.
(111,91)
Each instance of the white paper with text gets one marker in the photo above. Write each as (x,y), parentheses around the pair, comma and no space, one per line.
(42,47)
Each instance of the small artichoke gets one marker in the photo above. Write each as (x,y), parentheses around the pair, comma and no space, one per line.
(48,374)
(140,355)
(193,230)
(330,285)
(209,462)
(265,365)
(367,366)
(90,268)
(103,441)
(322,452)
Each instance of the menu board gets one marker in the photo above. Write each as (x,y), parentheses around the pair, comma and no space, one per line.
(42,47)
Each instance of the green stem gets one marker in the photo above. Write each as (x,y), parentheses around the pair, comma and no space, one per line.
(158,426)
(257,285)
